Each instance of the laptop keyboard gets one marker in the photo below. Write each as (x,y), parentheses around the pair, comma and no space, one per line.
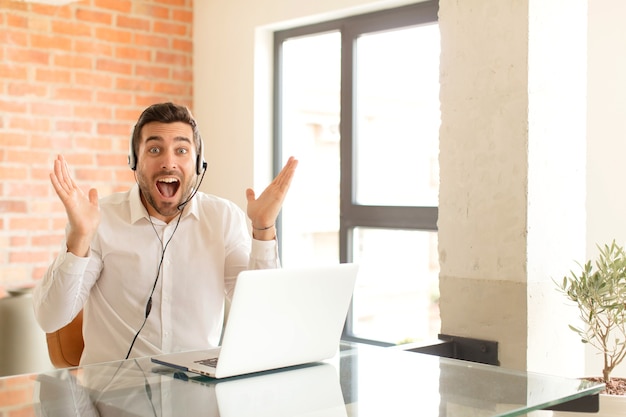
(208,362)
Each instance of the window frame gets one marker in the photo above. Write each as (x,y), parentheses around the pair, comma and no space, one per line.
(352,215)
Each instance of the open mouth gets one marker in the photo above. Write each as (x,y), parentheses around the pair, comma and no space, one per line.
(168,186)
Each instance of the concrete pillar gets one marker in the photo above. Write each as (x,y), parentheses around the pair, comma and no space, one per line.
(512,175)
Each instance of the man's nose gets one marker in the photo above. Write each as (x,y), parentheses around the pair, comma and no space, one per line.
(169,160)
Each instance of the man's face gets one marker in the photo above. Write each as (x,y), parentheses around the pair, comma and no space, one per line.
(166,167)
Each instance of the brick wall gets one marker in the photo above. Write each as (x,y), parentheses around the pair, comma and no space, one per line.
(73,80)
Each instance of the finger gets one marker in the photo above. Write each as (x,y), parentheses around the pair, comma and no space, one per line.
(58,177)
(61,172)
(93,196)
(250,196)
(286,174)
(57,186)
(68,176)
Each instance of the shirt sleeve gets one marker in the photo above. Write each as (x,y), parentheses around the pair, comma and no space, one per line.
(246,253)
(63,290)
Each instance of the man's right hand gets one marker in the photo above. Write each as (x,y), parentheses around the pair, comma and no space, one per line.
(83,212)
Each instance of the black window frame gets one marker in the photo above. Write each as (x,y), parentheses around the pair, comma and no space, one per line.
(352,215)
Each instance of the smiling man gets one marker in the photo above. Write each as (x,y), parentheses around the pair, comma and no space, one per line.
(151,268)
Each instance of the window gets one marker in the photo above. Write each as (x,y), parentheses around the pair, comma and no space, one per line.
(357,102)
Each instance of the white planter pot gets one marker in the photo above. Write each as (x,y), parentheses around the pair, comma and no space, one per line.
(610,406)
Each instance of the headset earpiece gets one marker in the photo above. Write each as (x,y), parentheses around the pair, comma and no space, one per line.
(200,162)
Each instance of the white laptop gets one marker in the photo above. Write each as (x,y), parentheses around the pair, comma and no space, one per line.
(278,318)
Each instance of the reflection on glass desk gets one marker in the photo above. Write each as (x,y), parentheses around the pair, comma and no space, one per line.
(360,380)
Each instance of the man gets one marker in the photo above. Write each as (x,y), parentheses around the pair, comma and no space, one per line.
(151,267)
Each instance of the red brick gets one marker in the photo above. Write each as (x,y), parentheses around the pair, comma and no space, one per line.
(179,3)
(12,107)
(112,129)
(133,84)
(48,142)
(112,160)
(123,6)
(14,37)
(153,10)
(94,110)
(15,241)
(152,40)
(27,89)
(50,109)
(134,23)
(11,172)
(59,12)
(27,55)
(141,55)
(47,239)
(172,28)
(183,45)
(95,174)
(185,16)
(30,123)
(28,223)
(27,158)
(72,28)
(12,71)
(170,88)
(116,66)
(124,178)
(94,79)
(93,16)
(10,206)
(130,115)
(96,144)
(73,125)
(93,47)
(51,75)
(152,71)
(20,189)
(173,59)
(50,42)
(9,140)
(183,75)
(17,21)
(73,94)
(115,98)
(114,35)
(73,61)
(23,256)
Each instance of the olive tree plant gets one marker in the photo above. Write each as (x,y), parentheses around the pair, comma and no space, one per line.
(599,291)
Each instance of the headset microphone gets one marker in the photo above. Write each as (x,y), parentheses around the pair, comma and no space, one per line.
(182,205)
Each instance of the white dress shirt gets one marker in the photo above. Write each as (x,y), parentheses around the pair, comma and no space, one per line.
(208,248)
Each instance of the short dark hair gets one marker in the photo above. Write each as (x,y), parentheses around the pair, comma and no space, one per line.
(164,113)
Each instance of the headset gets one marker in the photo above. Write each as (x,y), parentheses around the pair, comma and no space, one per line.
(201,164)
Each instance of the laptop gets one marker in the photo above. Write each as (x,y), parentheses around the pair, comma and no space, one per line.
(278,318)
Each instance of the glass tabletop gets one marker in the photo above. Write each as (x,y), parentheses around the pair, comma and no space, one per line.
(360,380)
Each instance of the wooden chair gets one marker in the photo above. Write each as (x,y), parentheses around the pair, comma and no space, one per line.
(65,346)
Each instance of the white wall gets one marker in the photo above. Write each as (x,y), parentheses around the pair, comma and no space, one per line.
(234,117)
(233,111)
(606,133)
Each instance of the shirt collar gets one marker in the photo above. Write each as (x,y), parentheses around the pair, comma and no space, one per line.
(138,211)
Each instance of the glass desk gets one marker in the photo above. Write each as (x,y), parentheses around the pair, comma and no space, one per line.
(360,381)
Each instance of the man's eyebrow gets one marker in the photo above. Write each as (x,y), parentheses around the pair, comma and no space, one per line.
(160,139)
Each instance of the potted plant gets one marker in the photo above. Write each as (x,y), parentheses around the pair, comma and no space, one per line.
(599,292)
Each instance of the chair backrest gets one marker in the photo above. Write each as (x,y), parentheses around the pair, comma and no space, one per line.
(65,346)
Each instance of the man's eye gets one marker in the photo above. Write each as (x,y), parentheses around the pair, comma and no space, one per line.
(183,150)
(153,150)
